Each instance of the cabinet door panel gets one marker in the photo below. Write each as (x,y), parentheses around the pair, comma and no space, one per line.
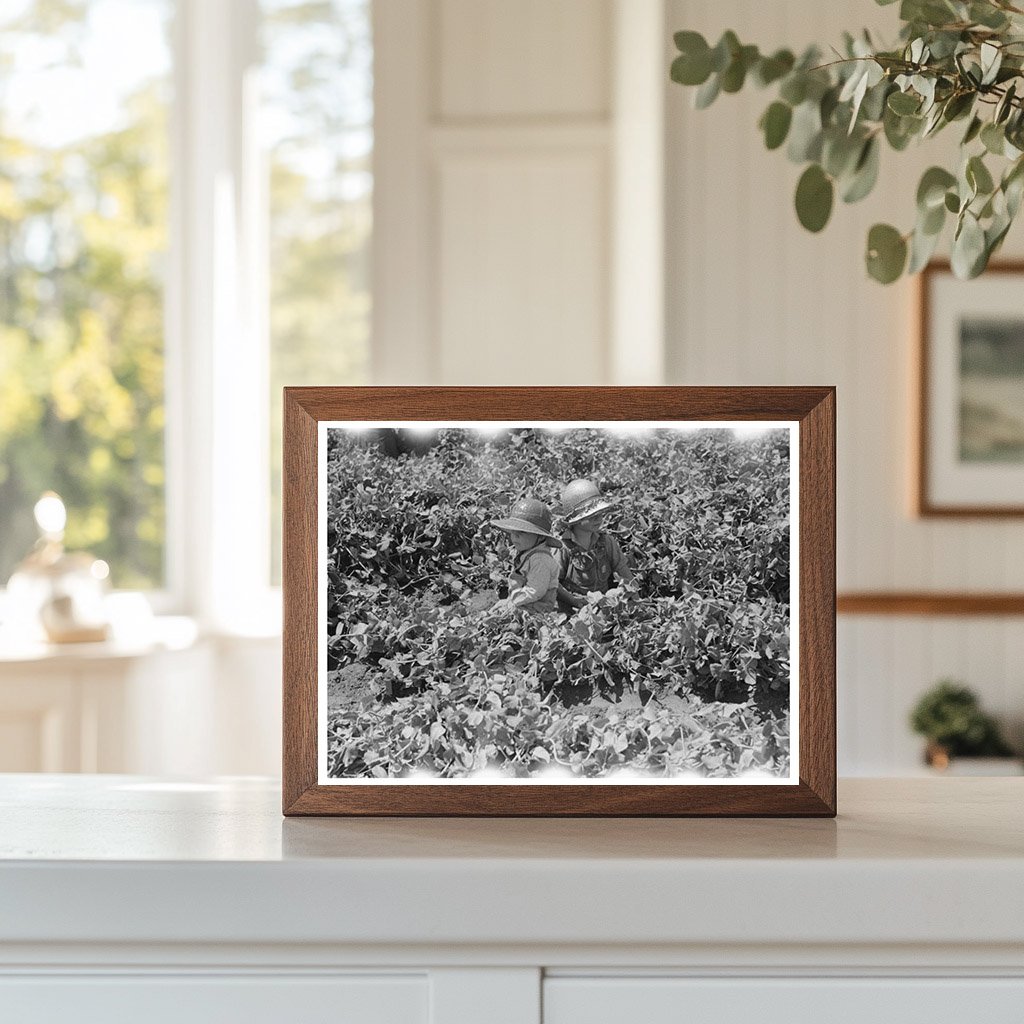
(783,1001)
(202,999)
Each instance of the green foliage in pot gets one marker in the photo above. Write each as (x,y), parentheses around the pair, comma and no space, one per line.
(950,717)
(957,61)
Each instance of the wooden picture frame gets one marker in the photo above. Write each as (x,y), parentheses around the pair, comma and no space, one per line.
(969,448)
(807,413)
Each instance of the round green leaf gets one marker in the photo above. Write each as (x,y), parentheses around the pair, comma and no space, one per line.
(973,129)
(865,173)
(993,138)
(840,152)
(887,253)
(933,122)
(735,74)
(958,106)
(900,130)
(931,12)
(874,103)
(922,248)
(814,198)
(688,42)
(952,202)
(805,133)
(1005,105)
(725,50)
(932,189)
(931,221)
(775,123)
(987,15)
(770,69)
(828,104)
(1013,186)
(994,235)
(978,176)
(707,93)
(943,44)
(903,103)
(794,89)
(968,256)
(693,65)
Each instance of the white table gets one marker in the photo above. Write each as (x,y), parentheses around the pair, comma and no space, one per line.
(198,902)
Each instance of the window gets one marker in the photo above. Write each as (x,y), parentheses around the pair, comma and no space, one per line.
(83,236)
(185,221)
(317,116)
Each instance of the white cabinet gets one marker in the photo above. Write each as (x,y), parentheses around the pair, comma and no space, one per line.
(132,898)
(203,999)
(824,1000)
(99,707)
(479,996)
(41,722)
(173,704)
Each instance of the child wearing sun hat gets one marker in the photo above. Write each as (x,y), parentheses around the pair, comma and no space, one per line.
(533,585)
(590,558)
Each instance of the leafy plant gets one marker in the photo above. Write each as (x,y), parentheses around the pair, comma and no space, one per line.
(500,722)
(950,717)
(956,61)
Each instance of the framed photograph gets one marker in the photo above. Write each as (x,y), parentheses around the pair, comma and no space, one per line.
(559,601)
(970,445)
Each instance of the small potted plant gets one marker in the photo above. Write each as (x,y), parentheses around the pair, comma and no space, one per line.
(950,717)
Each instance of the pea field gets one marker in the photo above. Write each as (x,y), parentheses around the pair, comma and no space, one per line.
(684,673)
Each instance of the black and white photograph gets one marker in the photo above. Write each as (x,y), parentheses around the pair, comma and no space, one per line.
(557,602)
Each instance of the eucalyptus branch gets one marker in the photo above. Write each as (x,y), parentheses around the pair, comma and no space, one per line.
(834,116)
(1016,102)
(842,60)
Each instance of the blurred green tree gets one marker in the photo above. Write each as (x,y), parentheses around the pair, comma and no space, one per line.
(83,235)
(318,114)
(82,231)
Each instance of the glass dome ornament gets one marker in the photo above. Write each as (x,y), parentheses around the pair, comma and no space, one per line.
(56,595)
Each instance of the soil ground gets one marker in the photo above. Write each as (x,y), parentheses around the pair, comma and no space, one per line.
(347,685)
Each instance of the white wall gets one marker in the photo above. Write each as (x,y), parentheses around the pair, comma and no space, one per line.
(754,299)
(216,712)
(507,134)
(509,147)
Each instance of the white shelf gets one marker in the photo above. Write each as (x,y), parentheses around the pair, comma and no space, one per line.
(125,896)
(163,633)
(121,859)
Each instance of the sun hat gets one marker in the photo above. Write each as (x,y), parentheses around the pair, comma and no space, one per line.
(528,515)
(582,499)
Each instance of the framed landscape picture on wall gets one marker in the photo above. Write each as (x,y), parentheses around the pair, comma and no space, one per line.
(970,445)
(574,601)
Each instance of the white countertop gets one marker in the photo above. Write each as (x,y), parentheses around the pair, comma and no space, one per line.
(122,859)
